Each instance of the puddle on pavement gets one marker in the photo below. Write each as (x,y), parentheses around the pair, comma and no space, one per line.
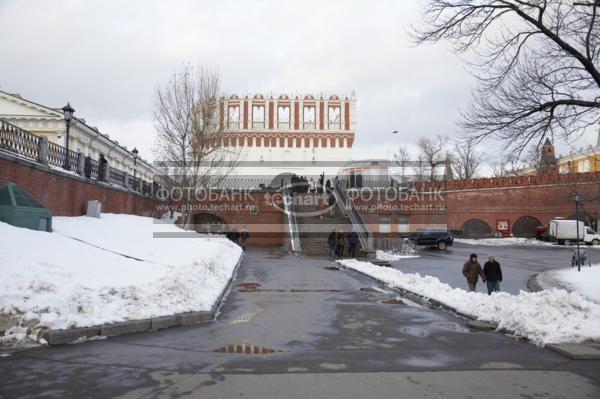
(450,326)
(335,268)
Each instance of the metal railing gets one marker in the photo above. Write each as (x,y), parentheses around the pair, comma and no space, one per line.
(57,155)
(19,141)
(308,125)
(258,125)
(357,223)
(292,224)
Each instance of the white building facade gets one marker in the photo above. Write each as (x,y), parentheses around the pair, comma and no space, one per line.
(83,138)
(279,135)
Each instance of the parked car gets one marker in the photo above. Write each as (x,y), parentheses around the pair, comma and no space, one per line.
(435,238)
(566,232)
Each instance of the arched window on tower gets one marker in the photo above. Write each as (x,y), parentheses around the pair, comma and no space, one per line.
(234,117)
(309,118)
(283,117)
(333,117)
(258,117)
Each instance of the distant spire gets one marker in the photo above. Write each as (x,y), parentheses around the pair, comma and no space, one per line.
(547,142)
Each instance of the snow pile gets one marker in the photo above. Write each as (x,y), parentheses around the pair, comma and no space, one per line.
(551,316)
(94,271)
(502,242)
(586,282)
(391,257)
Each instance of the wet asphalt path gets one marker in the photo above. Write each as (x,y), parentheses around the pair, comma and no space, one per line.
(329,335)
(518,263)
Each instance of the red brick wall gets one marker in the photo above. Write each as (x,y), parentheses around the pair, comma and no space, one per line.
(68,196)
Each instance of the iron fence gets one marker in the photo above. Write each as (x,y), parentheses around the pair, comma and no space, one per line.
(395,245)
(57,155)
(19,141)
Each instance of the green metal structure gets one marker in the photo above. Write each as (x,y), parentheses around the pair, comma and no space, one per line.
(20,209)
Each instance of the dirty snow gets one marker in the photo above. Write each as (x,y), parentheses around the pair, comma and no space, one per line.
(92,271)
(549,316)
(501,242)
(391,257)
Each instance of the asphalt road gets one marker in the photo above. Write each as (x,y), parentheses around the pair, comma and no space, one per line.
(518,263)
(327,334)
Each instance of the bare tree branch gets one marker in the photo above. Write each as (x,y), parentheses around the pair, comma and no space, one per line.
(536,62)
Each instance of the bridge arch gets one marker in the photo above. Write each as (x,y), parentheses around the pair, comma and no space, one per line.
(209,223)
(476,228)
(525,226)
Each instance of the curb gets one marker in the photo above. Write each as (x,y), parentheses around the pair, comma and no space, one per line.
(429,302)
(60,337)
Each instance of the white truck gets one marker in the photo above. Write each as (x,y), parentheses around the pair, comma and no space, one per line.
(565,232)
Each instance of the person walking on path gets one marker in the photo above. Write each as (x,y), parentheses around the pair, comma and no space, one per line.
(244,235)
(493,275)
(352,241)
(321,206)
(331,203)
(102,165)
(472,271)
(332,242)
(340,241)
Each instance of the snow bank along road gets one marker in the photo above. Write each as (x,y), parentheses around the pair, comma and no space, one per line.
(549,316)
(93,271)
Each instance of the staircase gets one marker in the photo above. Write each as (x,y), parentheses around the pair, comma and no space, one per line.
(313,230)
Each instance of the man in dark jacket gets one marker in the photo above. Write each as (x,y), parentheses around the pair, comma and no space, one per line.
(331,241)
(87,166)
(331,203)
(244,236)
(102,165)
(493,275)
(472,271)
(352,241)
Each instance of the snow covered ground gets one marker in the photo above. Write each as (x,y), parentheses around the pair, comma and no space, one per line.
(586,282)
(549,316)
(92,271)
(508,241)
(390,257)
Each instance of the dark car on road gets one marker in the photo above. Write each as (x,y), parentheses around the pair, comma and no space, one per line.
(438,238)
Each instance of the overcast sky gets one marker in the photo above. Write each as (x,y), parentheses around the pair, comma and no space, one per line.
(108,57)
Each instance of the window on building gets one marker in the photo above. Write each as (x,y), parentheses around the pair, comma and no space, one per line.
(583,166)
(258,116)
(563,169)
(384,224)
(234,117)
(333,117)
(283,117)
(309,117)
(403,225)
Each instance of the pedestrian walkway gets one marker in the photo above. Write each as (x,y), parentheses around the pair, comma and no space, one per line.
(299,327)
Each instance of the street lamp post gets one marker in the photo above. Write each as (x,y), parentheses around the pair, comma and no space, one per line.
(68,115)
(135,154)
(577,199)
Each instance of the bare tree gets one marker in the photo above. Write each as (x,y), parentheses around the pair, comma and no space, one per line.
(432,150)
(189,132)
(508,166)
(402,160)
(536,62)
(466,160)
(419,168)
